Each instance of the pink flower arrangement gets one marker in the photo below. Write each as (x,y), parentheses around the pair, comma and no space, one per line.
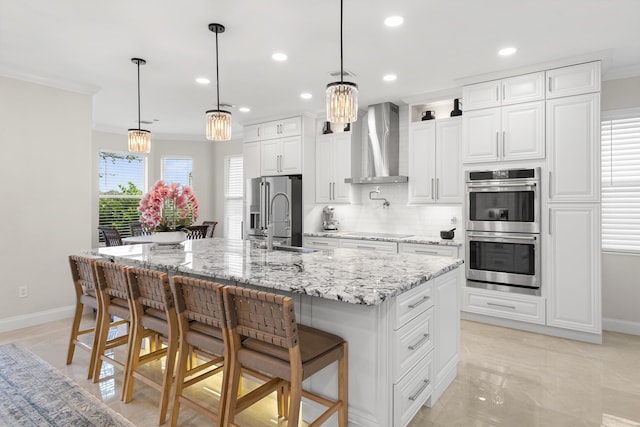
(168,207)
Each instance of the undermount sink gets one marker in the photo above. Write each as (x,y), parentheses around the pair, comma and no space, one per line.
(294,249)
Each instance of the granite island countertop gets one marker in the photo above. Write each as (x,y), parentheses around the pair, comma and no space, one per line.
(347,275)
(386,237)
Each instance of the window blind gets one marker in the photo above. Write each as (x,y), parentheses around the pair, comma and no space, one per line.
(178,170)
(233,193)
(621,181)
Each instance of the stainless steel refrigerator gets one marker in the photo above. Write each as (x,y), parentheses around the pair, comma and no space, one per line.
(276,200)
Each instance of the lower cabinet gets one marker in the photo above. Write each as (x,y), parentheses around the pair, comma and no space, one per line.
(320,242)
(418,248)
(412,390)
(372,245)
(525,308)
(573,259)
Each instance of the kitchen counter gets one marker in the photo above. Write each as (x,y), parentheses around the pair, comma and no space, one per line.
(338,274)
(386,237)
(398,312)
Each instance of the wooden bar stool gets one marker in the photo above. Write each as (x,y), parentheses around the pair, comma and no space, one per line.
(154,313)
(203,328)
(111,284)
(264,336)
(86,295)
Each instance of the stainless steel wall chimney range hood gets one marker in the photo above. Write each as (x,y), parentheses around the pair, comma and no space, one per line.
(380,157)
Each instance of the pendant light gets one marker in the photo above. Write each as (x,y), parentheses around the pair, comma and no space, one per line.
(218,121)
(342,97)
(139,139)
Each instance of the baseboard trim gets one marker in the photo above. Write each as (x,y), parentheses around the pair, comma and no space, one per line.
(38,318)
(622,326)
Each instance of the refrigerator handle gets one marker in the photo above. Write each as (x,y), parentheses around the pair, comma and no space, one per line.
(267,204)
(262,203)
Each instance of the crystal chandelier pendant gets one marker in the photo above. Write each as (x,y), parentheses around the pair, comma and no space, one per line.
(218,125)
(342,102)
(139,141)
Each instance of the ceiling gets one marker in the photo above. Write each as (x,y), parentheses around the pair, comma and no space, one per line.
(87,45)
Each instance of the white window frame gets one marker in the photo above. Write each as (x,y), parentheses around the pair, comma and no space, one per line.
(234,199)
(605,186)
(173,157)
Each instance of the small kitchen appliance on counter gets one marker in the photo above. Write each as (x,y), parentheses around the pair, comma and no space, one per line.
(329,223)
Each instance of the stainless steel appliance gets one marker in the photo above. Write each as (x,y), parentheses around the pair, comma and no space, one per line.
(275,201)
(503,230)
(329,223)
(503,261)
(504,200)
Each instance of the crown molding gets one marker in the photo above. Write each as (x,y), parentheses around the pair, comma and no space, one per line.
(56,83)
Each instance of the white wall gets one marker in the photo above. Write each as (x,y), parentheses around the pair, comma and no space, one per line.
(46,199)
(620,273)
(204,169)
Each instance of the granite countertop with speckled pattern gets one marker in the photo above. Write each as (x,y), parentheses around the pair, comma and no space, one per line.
(348,275)
(386,237)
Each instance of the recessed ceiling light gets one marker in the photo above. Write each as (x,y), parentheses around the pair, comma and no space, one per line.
(507,51)
(389,77)
(393,21)
(279,56)
(306,95)
(244,109)
(203,80)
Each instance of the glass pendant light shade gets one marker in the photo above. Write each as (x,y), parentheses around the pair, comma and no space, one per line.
(342,102)
(218,125)
(139,141)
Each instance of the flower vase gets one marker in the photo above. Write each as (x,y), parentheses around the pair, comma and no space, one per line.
(168,237)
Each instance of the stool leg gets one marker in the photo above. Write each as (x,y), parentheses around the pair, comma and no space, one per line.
(295,392)
(103,331)
(183,360)
(172,344)
(136,334)
(74,331)
(343,386)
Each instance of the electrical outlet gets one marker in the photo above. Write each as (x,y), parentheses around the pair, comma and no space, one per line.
(22,291)
(454,220)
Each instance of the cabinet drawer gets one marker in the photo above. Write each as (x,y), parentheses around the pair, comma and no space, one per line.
(573,80)
(413,302)
(411,343)
(509,306)
(369,245)
(321,242)
(412,391)
(416,248)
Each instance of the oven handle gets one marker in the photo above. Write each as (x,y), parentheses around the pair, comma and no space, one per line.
(502,238)
(503,185)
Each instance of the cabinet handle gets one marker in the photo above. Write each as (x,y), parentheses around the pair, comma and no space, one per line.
(504,137)
(513,307)
(498,144)
(423,300)
(549,222)
(364,247)
(497,93)
(437,188)
(329,191)
(418,251)
(319,243)
(258,132)
(549,184)
(433,191)
(549,84)
(503,91)
(420,342)
(425,384)
(334,191)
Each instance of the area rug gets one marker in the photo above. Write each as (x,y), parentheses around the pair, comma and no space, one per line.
(34,393)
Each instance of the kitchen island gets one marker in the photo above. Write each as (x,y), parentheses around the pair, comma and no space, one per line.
(399,313)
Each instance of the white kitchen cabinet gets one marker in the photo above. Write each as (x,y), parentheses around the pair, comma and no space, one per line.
(251,159)
(447,336)
(333,166)
(435,173)
(512,90)
(275,129)
(282,156)
(320,242)
(438,250)
(372,245)
(512,132)
(513,306)
(573,139)
(573,267)
(573,80)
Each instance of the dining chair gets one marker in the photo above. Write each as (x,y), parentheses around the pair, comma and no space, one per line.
(197,232)
(153,313)
(84,283)
(212,227)
(112,288)
(111,236)
(203,328)
(264,336)
(139,229)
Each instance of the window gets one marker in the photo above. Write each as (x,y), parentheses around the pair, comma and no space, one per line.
(233,194)
(178,170)
(621,181)
(122,182)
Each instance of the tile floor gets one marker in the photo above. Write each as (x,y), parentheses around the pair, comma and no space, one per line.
(505,378)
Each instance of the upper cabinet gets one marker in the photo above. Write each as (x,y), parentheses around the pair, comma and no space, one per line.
(512,90)
(573,80)
(333,166)
(282,156)
(435,173)
(251,159)
(275,129)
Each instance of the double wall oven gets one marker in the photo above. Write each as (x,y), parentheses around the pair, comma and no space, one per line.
(503,230)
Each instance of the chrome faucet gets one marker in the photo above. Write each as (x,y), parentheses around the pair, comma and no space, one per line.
(271,222)
(377,191)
